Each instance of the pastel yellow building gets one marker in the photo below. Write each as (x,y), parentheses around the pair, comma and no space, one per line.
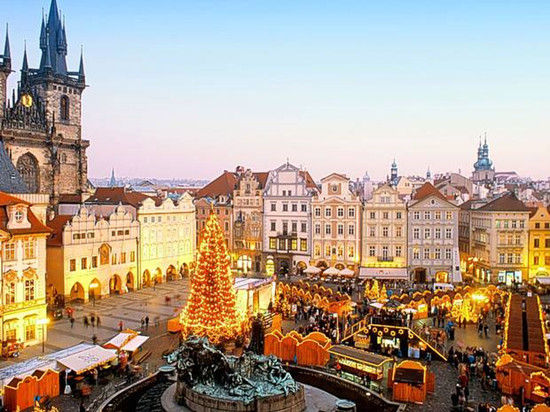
(384,251)
(539,242)
(23,267)
(336,224)
(91,256)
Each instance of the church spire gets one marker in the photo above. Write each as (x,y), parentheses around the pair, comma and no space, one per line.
(7,53)
(25,65)
(112,181)
(53,42)
(81,74)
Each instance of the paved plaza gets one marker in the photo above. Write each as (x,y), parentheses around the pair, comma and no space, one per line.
(129,308)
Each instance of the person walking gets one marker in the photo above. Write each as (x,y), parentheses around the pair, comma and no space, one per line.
(71,320)
(92,320)
(94,339)
(85,321)
(97,321)
(142,323)
(146,322)
(120,326)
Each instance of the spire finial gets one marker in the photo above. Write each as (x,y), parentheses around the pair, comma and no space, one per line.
(25,66)
(7,53)
(81,74)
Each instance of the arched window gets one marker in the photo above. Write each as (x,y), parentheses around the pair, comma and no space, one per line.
(64,108)
(63,158)
(10,293)
(27,166)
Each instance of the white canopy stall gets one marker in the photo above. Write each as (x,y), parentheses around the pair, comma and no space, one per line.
(88,359)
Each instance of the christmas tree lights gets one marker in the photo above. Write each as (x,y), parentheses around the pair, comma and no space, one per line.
(211,309)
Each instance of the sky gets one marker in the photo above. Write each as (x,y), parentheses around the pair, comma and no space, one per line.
(187,89)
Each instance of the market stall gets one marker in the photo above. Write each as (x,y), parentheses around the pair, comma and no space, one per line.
(88,359)
(410,382)
(360,363)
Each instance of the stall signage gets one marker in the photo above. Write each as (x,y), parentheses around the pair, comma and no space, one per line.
(361,341)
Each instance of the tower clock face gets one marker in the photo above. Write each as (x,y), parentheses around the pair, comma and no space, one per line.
(26,100)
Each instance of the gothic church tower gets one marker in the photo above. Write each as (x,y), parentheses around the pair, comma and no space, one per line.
(41,123)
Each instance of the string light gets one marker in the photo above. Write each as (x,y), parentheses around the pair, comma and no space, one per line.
(211,309)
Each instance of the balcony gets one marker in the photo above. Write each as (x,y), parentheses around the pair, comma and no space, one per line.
(384,258)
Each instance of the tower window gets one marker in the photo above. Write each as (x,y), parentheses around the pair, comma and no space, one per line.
(27,166)
(64,108)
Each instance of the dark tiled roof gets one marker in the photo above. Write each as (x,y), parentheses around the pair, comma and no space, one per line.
(57,225)
(505,203)
(310,183)
(116,195)
(10,179)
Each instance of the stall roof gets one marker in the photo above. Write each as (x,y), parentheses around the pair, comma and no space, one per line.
(88,359)
(135,343)
(119,340)
(359,355)
(251,283)
(43,362)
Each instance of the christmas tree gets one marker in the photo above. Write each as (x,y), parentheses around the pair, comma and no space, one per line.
(211,308)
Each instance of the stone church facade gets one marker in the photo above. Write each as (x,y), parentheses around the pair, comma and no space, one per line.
(40,123)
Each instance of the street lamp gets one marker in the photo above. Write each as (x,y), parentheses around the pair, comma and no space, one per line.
(43,322)
(93,286)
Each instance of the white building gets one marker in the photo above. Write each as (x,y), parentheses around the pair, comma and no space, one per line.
(287,219)
(433,237)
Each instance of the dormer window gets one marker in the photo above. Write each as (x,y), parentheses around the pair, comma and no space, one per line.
(19,216)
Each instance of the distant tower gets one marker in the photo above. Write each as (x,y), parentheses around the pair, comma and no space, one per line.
(429,175)
(112,181)
(5,70)
(367,187)
(484,172)
(393,176)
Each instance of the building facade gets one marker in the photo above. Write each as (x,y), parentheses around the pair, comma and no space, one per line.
(499,240)
(433,237)
(90,257)
(539,242)
(23,262)
(41,124)
(287,219)
(336,219)
(384,240)
(248,221)
(167,239)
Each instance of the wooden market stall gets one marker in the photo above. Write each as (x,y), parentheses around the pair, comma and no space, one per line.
(20,393)
(48,383)
(410,382)
(311,350)
(516,378)
(360,362)
(524,340)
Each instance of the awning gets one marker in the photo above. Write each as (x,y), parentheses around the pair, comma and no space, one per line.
(88,359)
(347,272)
(543,280)
(331,271)
(383,273)
(312,269)
(135,343)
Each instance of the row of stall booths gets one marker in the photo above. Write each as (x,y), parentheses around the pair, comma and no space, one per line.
(65,371)
(289,295)
(523,365)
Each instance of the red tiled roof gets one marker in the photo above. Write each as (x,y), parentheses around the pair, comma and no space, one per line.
(426,190)
(36,225)
(70,198)
(310,183)
(505,203)
(57,225)
(116,195)
(262,178)
(222,185)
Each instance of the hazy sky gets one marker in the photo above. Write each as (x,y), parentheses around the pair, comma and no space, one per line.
(189,88)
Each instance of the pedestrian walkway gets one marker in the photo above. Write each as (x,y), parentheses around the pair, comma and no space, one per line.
(129,308)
